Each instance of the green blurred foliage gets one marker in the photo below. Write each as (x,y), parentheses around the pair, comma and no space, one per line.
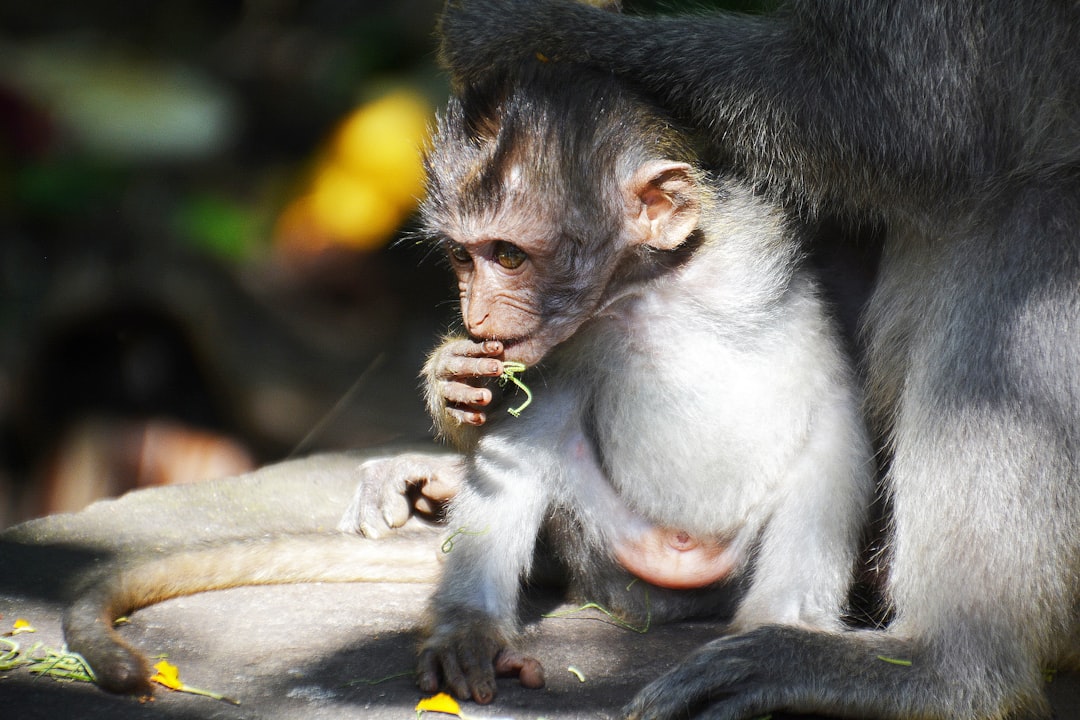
(218,225)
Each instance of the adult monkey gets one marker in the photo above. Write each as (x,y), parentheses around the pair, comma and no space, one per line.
(955,126)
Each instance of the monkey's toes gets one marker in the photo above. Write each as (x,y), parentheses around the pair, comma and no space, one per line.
(528,670)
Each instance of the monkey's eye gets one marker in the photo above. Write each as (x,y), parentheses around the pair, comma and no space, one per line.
(459,254)
(508,255)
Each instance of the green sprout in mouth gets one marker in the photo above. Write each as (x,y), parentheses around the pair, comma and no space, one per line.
(510,372)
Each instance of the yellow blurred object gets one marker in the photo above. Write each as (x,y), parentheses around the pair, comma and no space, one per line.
(353,209)
(383,139)
(368,182)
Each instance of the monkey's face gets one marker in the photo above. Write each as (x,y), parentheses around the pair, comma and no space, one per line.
(530,276)
(505,283)
(543,225)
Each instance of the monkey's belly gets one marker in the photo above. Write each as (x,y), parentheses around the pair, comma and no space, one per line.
(673,559)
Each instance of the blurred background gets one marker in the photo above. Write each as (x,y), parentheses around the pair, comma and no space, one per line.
(202,213)
(205,253)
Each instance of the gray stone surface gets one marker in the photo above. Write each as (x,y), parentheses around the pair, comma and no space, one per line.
(318,651)
(321,651)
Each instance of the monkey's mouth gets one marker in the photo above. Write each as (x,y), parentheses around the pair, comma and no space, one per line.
(525,350)
(529,350)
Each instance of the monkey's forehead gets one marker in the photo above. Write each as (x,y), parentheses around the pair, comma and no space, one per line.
(520,223)
(470,194)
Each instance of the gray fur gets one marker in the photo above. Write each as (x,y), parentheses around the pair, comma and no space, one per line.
(704,390)
(956,126)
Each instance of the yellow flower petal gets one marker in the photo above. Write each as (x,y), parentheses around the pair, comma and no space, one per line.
(21,626)
(168,675)
(441,703)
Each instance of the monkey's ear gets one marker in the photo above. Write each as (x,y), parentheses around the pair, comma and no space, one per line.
(664,204)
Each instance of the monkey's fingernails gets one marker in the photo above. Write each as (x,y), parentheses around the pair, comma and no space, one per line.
(482,684)
(370,531)
(475,419)
(493,347)
(461,394)
(484,693)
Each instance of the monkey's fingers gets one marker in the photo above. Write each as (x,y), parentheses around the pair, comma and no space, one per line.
(465,403)
(428,507)
(471,348)
(393,505)
(463,671)
(430,671)
(462,395)
(437,490)
(382,499)
(463,359)
(462,367)
(427,672)
(528,670)
(442,486)
(467,417)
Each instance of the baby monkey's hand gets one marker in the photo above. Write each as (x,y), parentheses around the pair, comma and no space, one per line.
(458,372)
(393,488)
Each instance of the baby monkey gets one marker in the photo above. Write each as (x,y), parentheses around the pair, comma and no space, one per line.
(694,423)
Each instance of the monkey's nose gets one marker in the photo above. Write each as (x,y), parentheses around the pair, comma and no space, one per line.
(475,326)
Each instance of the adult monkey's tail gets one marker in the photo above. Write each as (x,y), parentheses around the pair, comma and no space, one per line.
(127,585)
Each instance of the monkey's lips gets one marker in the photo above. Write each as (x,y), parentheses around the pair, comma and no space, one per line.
(532,348)
(526,350)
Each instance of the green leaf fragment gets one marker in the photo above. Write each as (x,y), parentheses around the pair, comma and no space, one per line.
(60,664)
(894,661)
(448,544)
(9,654)
(612,617)
(379,681)
(510,372)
